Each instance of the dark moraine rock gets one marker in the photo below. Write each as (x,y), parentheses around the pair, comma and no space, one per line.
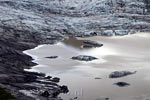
(29,78)
(45,94)
(55,79)
(52,57)
(118,74)
(93,43)
(93,34)
(122,84)
(84,58)
(48,77)
(64,89)
(55,94)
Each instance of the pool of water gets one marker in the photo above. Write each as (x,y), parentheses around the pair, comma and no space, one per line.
(131,53)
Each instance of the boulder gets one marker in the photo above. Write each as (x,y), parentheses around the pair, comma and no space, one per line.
(55,79)
(122,84)
(64,89)
(118,74)
(48,77)
(52,57)
(45,94)
(84,58)
(93,34)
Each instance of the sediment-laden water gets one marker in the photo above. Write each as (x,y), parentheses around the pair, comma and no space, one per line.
(90,80)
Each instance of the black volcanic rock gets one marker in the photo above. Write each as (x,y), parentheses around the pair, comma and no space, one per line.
(122,84)
(118,74)
(55,79)
(52,57)
(45,94)
(84,58)
(64,89)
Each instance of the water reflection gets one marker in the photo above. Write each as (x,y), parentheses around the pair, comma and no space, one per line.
(74,42)
(98,51)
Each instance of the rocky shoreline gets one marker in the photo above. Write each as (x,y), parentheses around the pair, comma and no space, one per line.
(13,61)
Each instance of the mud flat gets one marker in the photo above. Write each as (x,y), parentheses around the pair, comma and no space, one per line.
(121,53)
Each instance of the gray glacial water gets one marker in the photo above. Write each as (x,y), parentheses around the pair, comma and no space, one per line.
(119,53)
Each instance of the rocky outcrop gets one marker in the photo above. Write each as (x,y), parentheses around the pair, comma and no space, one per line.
(13,61)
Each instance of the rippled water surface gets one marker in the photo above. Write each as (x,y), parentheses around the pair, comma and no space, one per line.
(131,53)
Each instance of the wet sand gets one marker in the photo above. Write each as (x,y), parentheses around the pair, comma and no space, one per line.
(131,52)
